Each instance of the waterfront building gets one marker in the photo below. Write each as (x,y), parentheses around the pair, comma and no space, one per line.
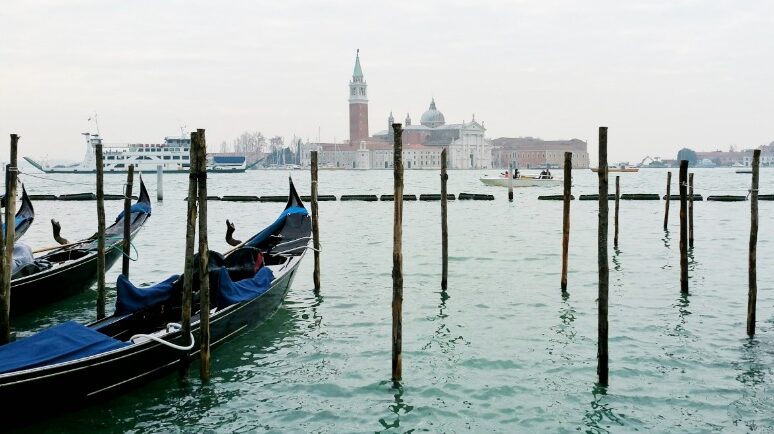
(422,143)
(533,153)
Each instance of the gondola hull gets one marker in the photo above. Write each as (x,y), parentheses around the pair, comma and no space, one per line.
(49,286)
(73,384)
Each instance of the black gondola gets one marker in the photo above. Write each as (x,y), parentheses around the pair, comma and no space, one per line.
(143,339)
(24,216)
(71,269)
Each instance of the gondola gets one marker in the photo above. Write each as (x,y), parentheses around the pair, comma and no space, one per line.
(24,216)
(142,338)
(72,268)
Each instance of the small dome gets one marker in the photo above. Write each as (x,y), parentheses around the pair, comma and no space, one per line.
(432,117)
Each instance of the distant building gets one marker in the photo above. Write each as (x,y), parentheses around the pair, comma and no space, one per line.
(533,153)
(422,143)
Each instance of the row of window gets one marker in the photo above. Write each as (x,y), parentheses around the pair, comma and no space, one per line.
(142,157)
(161,149)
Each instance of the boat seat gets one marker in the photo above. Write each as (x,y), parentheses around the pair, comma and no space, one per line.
(33,268)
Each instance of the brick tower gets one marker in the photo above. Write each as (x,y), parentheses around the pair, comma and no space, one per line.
(358,105)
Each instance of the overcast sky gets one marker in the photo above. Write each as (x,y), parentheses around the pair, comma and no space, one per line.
(660,74)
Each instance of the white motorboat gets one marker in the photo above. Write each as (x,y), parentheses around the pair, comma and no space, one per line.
(522,181)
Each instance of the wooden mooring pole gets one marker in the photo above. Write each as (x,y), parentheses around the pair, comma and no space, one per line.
(315,224)
(6,250)
(190,233)
(160,183)
(690,210)
(204,276)
(127,220)
(617,200)
(683,226)
(444,224)
(397,257)
(604,271)
(668,198)
(101,295)
(566,218)
(752,294)
(510,187)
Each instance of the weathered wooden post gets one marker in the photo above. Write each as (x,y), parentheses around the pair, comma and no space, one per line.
(510,187)
(204,277)
(315,224)
(6,250)
(617,200)
(444,224)
(668,199)
(190,233)
(604,271)
(397,258)
(690,210)
(127,220)
(566,217)
(752,295)
(101,296)
(160,183)
(683,226)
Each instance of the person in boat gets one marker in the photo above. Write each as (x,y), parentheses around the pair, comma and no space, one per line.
(506,174)
(515,173)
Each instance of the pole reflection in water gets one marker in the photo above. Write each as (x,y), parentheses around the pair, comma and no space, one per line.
(398,406)
(753,408)
(601,417)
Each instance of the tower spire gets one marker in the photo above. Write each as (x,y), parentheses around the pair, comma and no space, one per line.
(358,104)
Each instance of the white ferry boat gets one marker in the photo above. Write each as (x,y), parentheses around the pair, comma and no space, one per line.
(172,156)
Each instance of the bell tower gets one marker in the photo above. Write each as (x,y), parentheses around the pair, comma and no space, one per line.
(358,105)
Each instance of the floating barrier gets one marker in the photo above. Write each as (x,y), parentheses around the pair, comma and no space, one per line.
(610,196)
(274,198)
(640,196)
(696,197)
(320,198)
(555,197)
(437,197)
(35,197)
(391,197)
(727,198)
(240,198)
(78,196)
(474,196)
(361,197)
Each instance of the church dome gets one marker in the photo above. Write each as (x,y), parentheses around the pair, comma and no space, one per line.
(432,117)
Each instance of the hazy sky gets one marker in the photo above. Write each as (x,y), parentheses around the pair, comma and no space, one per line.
(660,74)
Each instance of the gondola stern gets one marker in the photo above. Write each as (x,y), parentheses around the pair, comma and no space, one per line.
(294,200)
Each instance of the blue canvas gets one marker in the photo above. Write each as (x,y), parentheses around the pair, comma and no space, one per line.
(230,292)
(130,298)
(61,343)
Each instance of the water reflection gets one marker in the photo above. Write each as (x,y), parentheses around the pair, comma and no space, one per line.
(682,304)
(601,415)
(443,335)
(753,371)
(617,260)
(666,239)
(397,407)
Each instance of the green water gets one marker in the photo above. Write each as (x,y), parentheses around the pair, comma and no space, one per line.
(502,351)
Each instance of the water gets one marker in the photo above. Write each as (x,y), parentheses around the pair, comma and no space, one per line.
(502,352)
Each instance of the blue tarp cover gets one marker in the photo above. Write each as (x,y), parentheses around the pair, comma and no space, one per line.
(230,292)
(140,207)
(61,343)
(276,225)
(130,298)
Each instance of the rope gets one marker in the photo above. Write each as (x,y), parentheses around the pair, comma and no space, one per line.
(54,179)
(137,254)
(174,327)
